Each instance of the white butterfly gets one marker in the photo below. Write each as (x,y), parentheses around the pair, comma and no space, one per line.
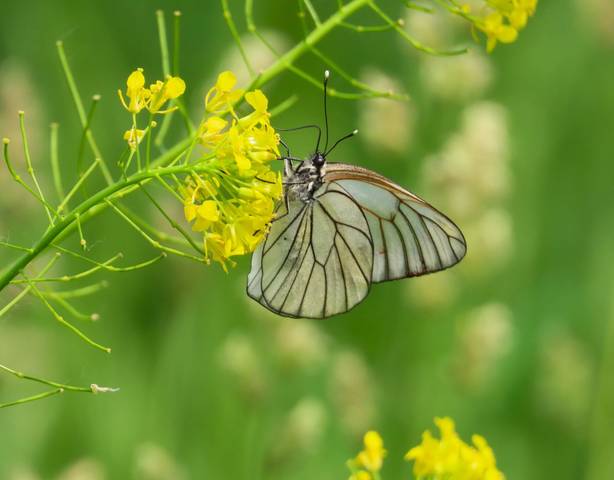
(340,229)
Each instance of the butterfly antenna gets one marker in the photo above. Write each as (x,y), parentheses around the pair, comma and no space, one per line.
(326,76)
(349,135)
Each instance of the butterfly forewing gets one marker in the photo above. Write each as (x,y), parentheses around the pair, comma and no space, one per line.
(410,237)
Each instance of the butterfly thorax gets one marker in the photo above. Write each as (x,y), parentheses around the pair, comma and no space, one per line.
(303,182)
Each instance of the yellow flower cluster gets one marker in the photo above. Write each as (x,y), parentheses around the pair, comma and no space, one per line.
(234,204)
(448,458)
(152,98)
(505,18)
(369,461)
(451,458)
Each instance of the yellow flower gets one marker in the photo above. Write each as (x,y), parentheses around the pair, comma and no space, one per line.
(209,133)
(221,96)
(205,214)
(234,207)
(260,104)
(503,20)
(372,457)
(161,92)
(152,98)
(361,475)
(138,95)
(496,30)
(451,458)
(134,137)
(237,142)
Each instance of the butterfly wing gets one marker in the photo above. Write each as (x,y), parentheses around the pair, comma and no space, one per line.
(317,260)
(410,237)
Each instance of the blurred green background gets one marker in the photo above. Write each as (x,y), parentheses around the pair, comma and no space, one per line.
(516,343)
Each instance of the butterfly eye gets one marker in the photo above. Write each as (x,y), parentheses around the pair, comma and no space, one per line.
(319,160)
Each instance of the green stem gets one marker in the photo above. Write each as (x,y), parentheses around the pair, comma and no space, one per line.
(313,38)
(58,388)
(174,224)
(72,86)
(26,152)
(33,398)
(166,66)
(82,210)
(412,41)
(62,321)
(55,164)
(25,291)
(86,129)
(176,40)
(237,38)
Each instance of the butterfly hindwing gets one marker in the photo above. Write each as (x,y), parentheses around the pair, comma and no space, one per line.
(317,259)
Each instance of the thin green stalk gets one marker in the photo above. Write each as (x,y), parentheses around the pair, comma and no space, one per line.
(82,240)
(55,164)
(357,83)
(237,38)
(176,40)
(312,39)
(251,26)
(166,66)
(75,188)
(412,41)
(283,106)
(33,398)
(26,153)
(414,6)
(108,264)
(62,321)
(66,305)
(174,224)
(312,11)
(150,126)
(80,110)
(68,278)
(83,291)
(23,376)
(166,121)
(14,247)
(367,28)
(25,291)
(58,387)
(162,236)
(86,129)
(154,243)
(19,180)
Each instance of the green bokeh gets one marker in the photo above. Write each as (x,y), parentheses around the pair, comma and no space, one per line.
(167,324)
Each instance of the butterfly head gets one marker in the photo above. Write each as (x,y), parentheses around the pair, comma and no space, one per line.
(318,160)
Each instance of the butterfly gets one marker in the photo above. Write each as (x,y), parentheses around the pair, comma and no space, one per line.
(339,229)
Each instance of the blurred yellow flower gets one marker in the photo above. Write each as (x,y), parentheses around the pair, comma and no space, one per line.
(502,19)
(451,458)
(367,464)
(361,475)
(496,30)
(134,137)
(234,208)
